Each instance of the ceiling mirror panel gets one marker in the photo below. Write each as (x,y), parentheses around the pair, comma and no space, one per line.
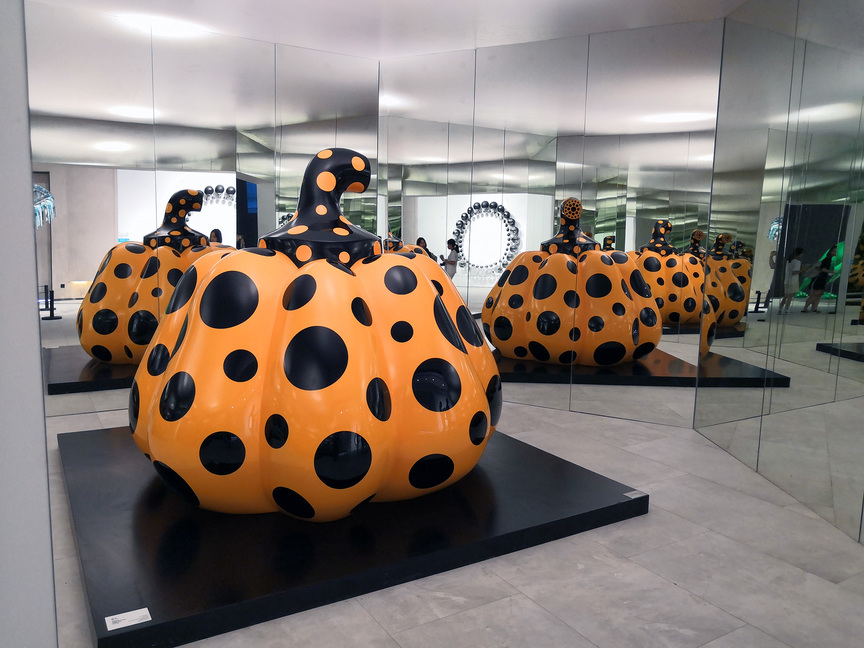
(324,100)
(647,157)
(90,116)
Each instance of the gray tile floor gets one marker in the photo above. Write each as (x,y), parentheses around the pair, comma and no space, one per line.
(723,559)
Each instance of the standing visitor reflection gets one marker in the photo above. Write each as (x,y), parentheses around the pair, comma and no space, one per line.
(421,242)
(819,282)
(449,262)
(791,280)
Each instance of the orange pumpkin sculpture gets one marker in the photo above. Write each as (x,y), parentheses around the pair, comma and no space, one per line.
(675,279)
(572,303)
(733,276)
(134,283)
(270,384)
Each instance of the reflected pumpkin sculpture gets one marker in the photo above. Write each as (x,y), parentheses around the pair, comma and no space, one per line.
(271,382)
(675,279)
(572,303)
(134,283)
(727,282)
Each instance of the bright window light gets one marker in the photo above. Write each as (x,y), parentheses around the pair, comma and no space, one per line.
(674,118)
(112,146)
(161,26)
(134,112)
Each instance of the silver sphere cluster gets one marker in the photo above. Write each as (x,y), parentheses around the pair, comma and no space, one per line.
(487,209)
(219,196)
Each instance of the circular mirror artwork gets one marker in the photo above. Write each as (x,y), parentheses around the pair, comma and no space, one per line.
(487,237)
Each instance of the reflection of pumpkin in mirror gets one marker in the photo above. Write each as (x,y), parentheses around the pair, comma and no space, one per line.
(856,270)
(608,243)
(675,280)
(572,303)
(729,272)
(395,244)
(270,383)
(134,283)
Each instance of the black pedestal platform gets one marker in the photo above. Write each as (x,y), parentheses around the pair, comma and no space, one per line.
(70,370)
(657,369)
(850,350)
(145,552)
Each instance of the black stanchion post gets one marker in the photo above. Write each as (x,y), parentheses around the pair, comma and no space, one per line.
(51,315)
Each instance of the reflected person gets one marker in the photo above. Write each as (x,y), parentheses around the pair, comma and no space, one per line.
(791,280)
(449,262)
(819,282)
(421,242)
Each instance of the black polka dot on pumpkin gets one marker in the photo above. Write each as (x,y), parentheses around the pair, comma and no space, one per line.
(468,327)
(652,264)
(293,503)
(674,317)
(157,361)
(712,332)
(299,292)
(135,248)
(128,352)
(733,314)
(174,275)
(150,268)
(503,278)
(276,431)
(478,427)
(671,262)
(105,263)
(518,275)
(571,298)
(680,279)
(123,271)
(240,365)
(222,453)
(315,358)
(177,397)
(596,324)
(259,251)
(98,292)
(400,280)
(438,287)
(156,292)
(133,299)
(105,321)
(228,300)
(620,257)
(436,385)
(184,290)
(689,304)
(361,311)
(343,459)
(489,301)
(568,357)
(430,471)
(142,325)
(545,286)
(736,293)
(401,331)
(574,334)
(659,301)
(445,324)
(176,483)
(648,316)
(378,399)
(634,332)
(180,336)
(606,259)
(486,331)
(537,258)
(134,406)
(515,301)
(643,350)
(495,398)
(79,323)
(715,303)
(598,285)
(538,351)
(637,283)
(572,267)
(503,328)
(609,353)
(626,290)
(548,323)
(618,309)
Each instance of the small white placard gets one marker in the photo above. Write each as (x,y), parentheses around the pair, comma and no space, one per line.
(634,494)
(127,619)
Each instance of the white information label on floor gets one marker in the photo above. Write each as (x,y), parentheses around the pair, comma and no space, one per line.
(127,619)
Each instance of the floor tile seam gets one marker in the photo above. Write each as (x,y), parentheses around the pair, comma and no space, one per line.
(630,557)
(359,601)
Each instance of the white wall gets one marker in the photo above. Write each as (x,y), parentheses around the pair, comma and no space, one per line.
(27,614)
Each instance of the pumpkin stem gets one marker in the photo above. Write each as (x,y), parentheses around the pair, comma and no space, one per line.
(318,229)
(173,232)
(609,244)
(658,242)
(717,251)
(570,238)
(695,248)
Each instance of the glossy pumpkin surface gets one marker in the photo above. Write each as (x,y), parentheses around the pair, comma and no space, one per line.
(572,303)
(313,374)
(733,276)
(134,283)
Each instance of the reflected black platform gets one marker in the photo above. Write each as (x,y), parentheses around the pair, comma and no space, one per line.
(849,350)
(721,332)
(200,574)
(70,370)
(657,369)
